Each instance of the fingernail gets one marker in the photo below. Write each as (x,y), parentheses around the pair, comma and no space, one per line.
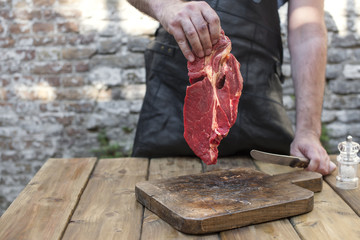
(190,58)
(208,51)
(214,42)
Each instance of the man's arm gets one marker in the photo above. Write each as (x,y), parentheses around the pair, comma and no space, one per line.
(195,23)
(308,45)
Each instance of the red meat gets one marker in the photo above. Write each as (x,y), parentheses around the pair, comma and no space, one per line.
(211,101)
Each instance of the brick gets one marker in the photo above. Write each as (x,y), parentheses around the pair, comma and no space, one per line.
(133,92)
(43,3)
(26,55)
(128,60)
(50,107)
(49,14)
(69,1)
(19,28)
(348,116)
(84,39)
(110,29)
(101,94)
(73,81)
(75,132)
(333,71)
(64,120)
(27,14)
(7,42)
(349,40)
(114,107)
(106,76)
(24,41)
(5,3)
(108,45)
(3,94)
(98,94)
(80,107)
(78,53)
(68,27)
(138,44)
(68,13)
(344,87)
(53,81)
(40,91)
(23,79)
(6,14)
(12,156)
(82,67)
(4,81)
(43,27)
(352,71)
(70,94)
(52,68)
(80,39)
(135,106)
(10,67)
(328,116)
(48,54)
(133,76)
(43,41)
(50,40)
(336,55)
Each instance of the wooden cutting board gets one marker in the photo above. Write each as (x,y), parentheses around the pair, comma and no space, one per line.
(226,199)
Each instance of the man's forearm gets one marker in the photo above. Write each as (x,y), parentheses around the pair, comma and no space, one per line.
(151,7)
(308,46)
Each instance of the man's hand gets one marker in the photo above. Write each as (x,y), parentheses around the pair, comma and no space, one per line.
(194,25)
(308,145)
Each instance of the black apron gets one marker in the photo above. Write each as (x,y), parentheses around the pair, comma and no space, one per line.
(253,27)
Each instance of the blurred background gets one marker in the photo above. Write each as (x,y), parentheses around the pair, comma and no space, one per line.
(72,80)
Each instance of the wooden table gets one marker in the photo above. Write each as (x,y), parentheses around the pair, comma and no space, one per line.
(86,198)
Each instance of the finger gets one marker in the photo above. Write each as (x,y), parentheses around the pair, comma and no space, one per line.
(313,165)
(213,21)
(203,32)
(193,38)
(323,167)
(184,46)
(332,167)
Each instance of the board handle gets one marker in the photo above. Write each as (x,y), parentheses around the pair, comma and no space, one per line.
(312,181)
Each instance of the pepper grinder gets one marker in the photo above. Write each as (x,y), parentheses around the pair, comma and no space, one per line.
(347,164)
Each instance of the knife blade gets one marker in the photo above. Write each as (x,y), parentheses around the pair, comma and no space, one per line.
(291,161)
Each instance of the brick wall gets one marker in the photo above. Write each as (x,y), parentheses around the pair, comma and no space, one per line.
(70,69)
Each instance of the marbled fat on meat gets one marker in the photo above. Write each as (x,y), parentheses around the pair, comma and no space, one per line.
(211,101)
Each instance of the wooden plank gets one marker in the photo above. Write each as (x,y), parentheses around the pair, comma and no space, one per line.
(43,208)
(153,226)
(331,217)
(351,197)
(280,229)
(107,208)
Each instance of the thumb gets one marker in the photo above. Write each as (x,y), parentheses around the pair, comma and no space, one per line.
(332,166)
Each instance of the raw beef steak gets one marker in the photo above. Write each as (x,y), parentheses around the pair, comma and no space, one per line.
(211,101)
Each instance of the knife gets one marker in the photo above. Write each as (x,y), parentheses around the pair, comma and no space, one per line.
(291,161)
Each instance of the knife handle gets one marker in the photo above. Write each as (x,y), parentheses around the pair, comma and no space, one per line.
(300,162)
